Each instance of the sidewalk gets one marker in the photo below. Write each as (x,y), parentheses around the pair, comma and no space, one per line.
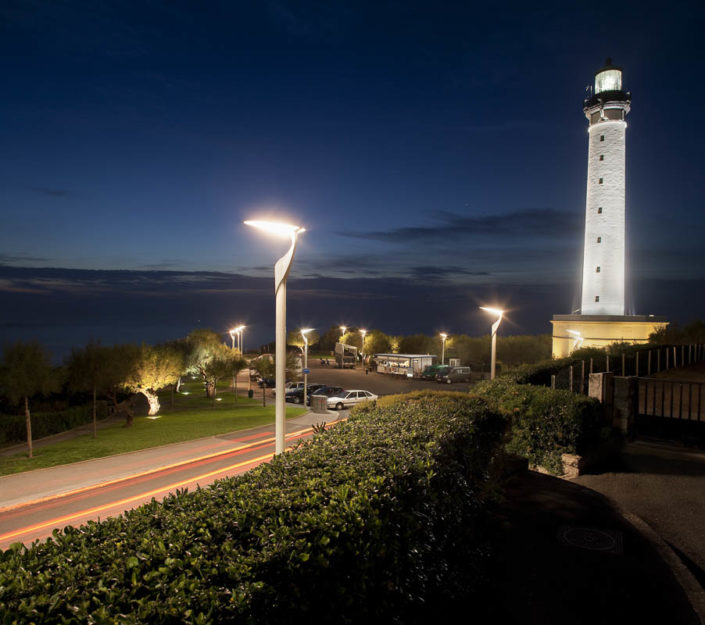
(565,554)
(20,488)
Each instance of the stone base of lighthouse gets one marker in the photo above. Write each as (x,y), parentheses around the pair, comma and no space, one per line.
(602,330)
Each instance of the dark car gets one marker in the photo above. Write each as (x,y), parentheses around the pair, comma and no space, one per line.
(266,382)
(326,391)
(441,370)
(297,395)
(456,374)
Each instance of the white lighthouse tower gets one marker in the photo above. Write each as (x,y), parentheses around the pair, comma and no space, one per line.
(604,255)
(602,318)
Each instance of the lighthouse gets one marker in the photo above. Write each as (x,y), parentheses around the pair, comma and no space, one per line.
(602,318)
(604,253)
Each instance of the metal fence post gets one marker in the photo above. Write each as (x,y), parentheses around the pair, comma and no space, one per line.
(553,382)
(648,364)
(582,376)
(570,381)
(637,364)
(624,365)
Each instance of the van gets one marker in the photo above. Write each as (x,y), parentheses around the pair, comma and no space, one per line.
(456,374)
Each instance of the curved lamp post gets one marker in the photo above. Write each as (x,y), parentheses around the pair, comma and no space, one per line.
(281,272)
(495,327)
(304,332)
(363,332)
(444,336)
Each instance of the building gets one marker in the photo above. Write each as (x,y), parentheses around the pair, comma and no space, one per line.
(602,319)
(409,365)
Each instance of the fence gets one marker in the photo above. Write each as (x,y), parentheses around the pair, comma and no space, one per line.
(642,362)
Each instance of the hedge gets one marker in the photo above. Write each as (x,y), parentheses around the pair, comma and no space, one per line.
(547,423)
(372,520)
(13,428)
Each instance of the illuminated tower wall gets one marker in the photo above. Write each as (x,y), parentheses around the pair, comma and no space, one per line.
(604,256)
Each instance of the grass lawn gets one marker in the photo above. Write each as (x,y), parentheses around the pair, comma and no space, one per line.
(193,416)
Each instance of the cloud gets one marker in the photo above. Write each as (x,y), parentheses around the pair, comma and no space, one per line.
(13,259)
(544,223)
(51,192)
(441,272)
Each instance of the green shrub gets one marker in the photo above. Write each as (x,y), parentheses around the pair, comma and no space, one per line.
(373,519)
(547,423)
(12,427)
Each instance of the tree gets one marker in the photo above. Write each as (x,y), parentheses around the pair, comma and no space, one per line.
(294,338)
(155,368)
(88,370)
(203,347)
(26,371)
(329,338)
(415,344)
(377,342)
(225,364)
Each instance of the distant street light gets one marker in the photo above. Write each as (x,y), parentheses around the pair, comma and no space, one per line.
(443,347)
(237,331)
(495,327)
(363,332)
(232,336)
(281,272)
(577,339)
(343,329)
(304,332)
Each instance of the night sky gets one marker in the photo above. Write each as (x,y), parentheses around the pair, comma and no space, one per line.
(436,152)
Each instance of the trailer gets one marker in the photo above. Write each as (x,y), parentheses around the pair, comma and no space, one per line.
(409,365)
(345,356)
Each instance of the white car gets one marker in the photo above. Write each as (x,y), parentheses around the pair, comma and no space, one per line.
(349,398)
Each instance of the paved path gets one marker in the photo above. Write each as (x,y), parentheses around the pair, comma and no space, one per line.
(664,485)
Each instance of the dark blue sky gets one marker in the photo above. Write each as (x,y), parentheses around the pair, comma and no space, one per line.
(435,152)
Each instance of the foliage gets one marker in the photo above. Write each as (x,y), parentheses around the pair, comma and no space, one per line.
(225,365)
(12,427)
(327,341)
(26,371)
(377,342)
(88,370)
(372,520)
(204,346)
(154,368)
(295,338)
(547,423)
(416,344)
(675,334)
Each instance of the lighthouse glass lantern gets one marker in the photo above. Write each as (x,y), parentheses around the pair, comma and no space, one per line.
(608,79)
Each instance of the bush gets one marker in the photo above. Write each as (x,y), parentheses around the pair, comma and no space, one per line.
(13,428)
(547,423)
(371,520)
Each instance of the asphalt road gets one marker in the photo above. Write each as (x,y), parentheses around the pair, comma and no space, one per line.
(216,457)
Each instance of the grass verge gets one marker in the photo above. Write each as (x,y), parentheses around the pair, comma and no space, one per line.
(192,416)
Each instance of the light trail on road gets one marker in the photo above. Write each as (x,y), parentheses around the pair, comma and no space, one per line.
(37,519)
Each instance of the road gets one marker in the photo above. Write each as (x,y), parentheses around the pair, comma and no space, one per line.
(34,503)
(154,474)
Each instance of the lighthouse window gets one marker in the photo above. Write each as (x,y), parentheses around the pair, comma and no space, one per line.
(598,269)
(597,298)
(599,211)
(602,137)
(599,239)
(602,157)
(600,181)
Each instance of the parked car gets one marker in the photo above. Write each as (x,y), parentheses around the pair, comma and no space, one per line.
(266,382)
(326,391)
(441,371)
(291,386)
(349,398)
(456,374)
(429,373)
(297,395)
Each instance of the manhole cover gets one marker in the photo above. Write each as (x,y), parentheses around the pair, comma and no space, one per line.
(604,541)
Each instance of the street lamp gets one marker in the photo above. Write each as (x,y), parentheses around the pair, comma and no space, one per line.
(343,329)
(444,336)
(495,327)
(363,332)
(281,272)
(232,333)
(304,332)
(577,339)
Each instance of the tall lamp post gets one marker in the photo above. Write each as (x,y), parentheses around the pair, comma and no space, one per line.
(495,327)
(281,272)
(304,332)
(363,332)
(444,336)
(343,329)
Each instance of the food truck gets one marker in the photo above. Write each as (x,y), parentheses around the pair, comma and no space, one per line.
(409,365)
